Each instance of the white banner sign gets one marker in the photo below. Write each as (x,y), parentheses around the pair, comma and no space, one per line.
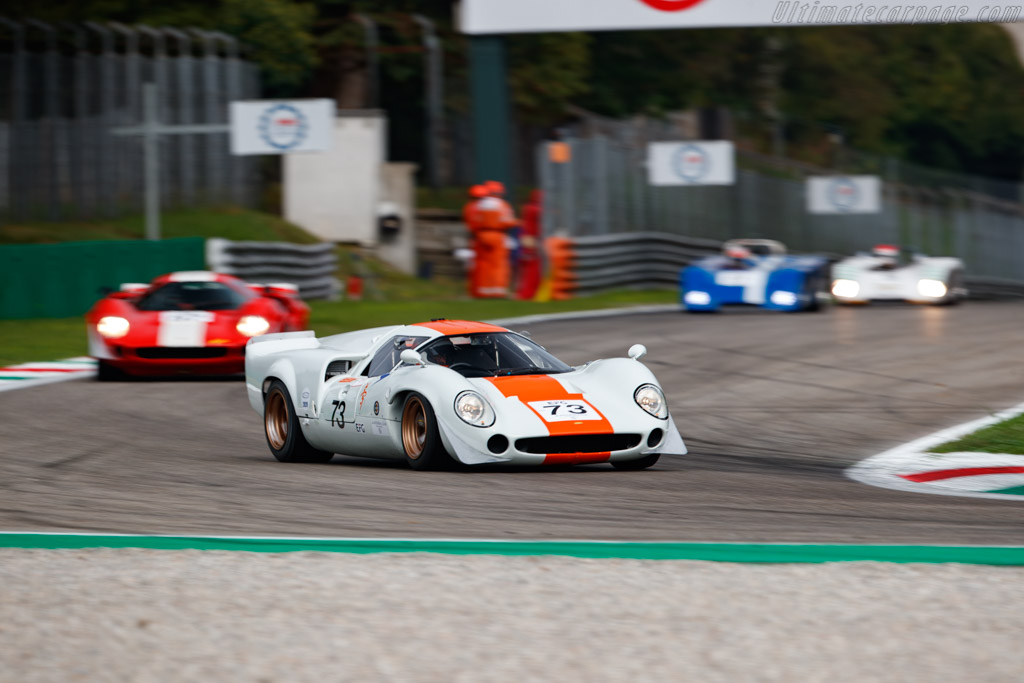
(281,126)
(537,16)
(691,163)
(844,194)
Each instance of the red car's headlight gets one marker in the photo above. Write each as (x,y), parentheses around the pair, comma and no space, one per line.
(253,325)
(112,326)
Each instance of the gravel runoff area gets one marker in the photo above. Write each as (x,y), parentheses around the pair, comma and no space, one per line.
(151,615)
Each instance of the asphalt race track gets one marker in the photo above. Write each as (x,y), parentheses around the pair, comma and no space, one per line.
(772,406)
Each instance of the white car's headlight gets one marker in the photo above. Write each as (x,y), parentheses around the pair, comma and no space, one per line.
(112,326)
(931,288)
(650,398)
(845,288)
(252,325)
(473,409)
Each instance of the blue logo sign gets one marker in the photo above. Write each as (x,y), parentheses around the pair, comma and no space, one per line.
(283,126)
(843,193)
(691,163)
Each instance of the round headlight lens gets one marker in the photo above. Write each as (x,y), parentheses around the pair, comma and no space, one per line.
(650,398)
(252,325)
(473,409)
(112,326)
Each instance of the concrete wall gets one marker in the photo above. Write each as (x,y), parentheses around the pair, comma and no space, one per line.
(340,195)
(334,194)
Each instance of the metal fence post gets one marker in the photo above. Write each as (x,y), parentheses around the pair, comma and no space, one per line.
(129,183)
(372,66)
(159,77)
(19,103)
(185,96)
(106,171)
(79,113)
(51,111)
(233,91)
(214,177)
(433,72)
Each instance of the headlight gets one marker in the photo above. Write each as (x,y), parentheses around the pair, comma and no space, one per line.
(697,298)
(780,298)
(112,327)
(650,398)
(845,288)
(931,288)
(473,409)
(252,325)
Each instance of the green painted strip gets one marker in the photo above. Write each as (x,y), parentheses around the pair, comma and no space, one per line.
(1013,491)
(16,378)
(719,552)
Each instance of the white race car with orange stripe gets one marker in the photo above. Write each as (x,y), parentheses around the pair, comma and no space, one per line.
(452,389)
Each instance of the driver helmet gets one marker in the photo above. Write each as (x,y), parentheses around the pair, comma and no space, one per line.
(738,252)
(478,191)
(888,253)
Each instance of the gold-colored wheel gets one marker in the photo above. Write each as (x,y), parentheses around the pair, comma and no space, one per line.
(275,419)
(414,428)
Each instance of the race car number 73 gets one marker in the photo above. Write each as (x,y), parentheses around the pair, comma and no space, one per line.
(560,410)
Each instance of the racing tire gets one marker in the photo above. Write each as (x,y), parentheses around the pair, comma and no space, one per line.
(105,372)
(281,427)
(638,464)
(421,439)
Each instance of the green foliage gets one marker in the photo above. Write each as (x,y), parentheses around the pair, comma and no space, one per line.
(277,33)
(547,71)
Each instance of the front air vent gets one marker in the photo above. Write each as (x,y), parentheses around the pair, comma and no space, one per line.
(578,443)
(337,367)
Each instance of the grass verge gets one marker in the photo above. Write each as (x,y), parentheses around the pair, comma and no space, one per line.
(22,341)
(232,223)
(1002,437)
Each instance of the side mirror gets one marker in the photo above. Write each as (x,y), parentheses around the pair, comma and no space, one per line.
(411,357)
(637,351)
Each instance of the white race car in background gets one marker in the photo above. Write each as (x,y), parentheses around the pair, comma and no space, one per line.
(891,273)
(444,389)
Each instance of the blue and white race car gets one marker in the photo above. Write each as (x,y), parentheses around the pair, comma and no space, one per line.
(755,272)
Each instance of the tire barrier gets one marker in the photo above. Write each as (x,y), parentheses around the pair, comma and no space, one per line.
(311,267)
(634,260)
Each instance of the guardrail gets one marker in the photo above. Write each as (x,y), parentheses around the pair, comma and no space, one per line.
(637,260)
(634,260)
(311,267)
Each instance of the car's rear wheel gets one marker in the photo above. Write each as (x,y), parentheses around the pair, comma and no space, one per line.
(421,439)
(281,427)
(638,464)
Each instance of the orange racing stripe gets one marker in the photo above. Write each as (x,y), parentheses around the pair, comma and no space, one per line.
(528,388)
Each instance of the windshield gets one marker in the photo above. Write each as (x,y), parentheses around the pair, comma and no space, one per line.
(492,354)
(192,296)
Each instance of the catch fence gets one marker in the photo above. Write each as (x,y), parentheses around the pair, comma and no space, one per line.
(603,190)
(63,88)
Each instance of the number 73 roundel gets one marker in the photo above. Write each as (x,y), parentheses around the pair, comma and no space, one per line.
(565,410)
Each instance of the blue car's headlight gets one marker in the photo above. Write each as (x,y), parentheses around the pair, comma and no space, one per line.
(650,398)
(473,409)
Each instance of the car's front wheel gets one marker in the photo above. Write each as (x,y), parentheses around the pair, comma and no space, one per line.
(637,464)
(420,436)
(281,426)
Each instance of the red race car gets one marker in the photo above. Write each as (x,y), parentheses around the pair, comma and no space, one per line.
(194,322)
